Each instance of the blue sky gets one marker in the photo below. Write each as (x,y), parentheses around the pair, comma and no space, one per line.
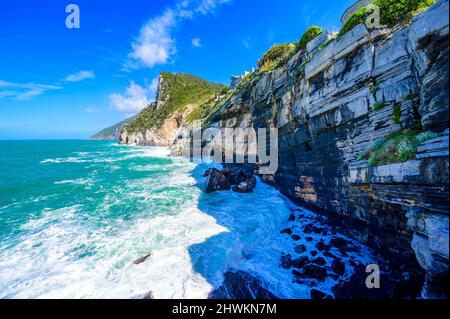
(60,83)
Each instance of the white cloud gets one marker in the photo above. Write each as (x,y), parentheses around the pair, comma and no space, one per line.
(196,43)
(155,44)
(24,91)
(135,98)
(209,6)
(80,76)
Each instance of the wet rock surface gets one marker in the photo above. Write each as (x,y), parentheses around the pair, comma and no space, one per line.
(239,180)
(241,285)
(216,181)
(142,259)
(334,266)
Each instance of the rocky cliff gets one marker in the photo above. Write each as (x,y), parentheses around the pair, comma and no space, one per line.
(179,100)
(339,106)
(332,104)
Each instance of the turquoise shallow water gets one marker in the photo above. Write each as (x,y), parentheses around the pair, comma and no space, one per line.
(74,215)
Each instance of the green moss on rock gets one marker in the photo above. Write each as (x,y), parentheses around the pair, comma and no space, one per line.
(356,18)
(277,56)
(393,12)
(310,34)
(396,148)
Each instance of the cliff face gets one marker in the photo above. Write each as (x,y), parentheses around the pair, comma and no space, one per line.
(332,103)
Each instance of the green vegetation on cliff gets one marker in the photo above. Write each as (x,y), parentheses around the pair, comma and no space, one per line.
(392,12)
(310,34)
(280,54)
(176,91)
(398,147)
(277,55)
(205,111)
(356,18)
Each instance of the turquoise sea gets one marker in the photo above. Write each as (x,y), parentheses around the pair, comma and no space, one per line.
(75,215)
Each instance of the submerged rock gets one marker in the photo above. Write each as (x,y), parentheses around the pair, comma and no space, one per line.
(311,271)
(299,263)
(286,261)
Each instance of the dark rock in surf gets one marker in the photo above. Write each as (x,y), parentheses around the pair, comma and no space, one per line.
(286,261)
(299,263)
(246,186)
(142,259)
(311,271)
(319,261)
(216,181)
(338,267)
(148,296)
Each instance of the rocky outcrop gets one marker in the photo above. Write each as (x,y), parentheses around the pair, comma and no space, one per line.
(161,136)
(179,96)
(331,104)
(240,180)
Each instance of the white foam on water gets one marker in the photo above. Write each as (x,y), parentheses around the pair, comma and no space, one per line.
(155,152)
(81,181)
(65,254)
(49,269)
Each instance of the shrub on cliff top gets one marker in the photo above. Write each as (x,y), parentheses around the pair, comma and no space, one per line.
(276,56)
(393,12)
(396,148)
(310,34)
(356,18)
